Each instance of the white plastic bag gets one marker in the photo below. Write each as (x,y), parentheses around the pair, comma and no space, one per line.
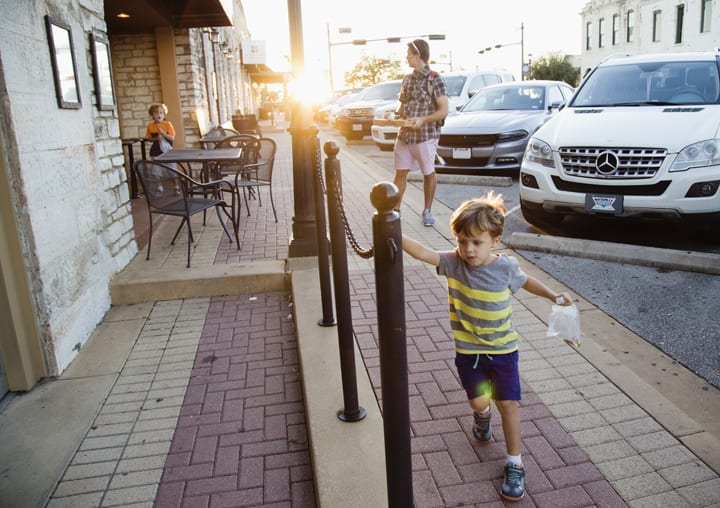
(564,322)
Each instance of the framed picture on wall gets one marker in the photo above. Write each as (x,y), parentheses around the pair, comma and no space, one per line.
(62,56)
(102,72)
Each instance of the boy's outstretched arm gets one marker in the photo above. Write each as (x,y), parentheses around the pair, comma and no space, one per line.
(536,287)
(419,251)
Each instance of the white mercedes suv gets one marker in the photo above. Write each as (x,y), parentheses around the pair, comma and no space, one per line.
(640,137)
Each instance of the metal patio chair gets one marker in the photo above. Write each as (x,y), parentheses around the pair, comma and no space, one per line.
(257,170)
(171,192)
(250,145)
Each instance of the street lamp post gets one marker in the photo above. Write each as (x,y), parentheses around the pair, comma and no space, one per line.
(304,233)
(529,64)
(521,42)
(342,30)
(363,42)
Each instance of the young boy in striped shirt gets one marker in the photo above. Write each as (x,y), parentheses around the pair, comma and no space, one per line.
(480,283)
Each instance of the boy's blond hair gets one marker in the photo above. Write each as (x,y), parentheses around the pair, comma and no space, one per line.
(157,107)
(486,213)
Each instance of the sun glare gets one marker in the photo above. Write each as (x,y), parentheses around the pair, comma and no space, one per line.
(310,89)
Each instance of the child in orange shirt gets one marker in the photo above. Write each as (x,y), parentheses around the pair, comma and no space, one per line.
(160,131)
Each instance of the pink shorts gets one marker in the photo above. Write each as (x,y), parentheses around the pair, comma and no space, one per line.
(421,153)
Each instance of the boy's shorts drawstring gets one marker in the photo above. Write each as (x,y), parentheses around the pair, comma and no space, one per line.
(477,360)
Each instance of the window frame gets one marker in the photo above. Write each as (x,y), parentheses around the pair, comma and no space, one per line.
(679,22)
(705,16)
(657,25)
(615,28)
(588,36)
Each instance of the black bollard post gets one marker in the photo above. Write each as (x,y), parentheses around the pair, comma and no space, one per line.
(323,255)
(352,411)
(390,292)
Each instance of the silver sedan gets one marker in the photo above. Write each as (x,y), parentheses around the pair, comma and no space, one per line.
(491,131)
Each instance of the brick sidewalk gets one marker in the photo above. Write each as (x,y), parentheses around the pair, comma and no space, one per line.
(450,468)
(241,437)
(208,409)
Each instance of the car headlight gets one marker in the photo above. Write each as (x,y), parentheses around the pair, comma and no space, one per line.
(700,154)
(540,152)
(512,135)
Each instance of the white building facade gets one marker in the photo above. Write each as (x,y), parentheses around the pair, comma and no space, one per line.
(647,26)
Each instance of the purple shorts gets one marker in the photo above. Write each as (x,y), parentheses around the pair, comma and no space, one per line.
(406,155)
(495,375)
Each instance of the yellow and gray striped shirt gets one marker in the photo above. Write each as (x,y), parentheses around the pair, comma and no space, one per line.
(479,299)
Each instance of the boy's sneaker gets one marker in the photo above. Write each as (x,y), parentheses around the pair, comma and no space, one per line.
(481,428)
(513,487)
(428,219)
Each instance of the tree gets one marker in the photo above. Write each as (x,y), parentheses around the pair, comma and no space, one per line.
(556,67)
(370,70)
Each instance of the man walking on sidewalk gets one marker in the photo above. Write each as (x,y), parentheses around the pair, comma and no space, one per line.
(424,103)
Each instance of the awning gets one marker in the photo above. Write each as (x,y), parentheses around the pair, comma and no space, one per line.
(260,73)
(145,15)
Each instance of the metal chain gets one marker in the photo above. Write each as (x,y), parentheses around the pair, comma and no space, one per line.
(319,165)
(363,253)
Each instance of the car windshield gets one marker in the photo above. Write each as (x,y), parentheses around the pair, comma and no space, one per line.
(347,99)
(648,84)
(454,85)
(383,92)
(503,98)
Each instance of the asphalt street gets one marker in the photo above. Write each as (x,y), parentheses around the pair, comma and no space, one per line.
(676,311)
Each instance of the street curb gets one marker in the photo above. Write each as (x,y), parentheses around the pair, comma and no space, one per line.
(494,181)
(348,457)
(135,285)
(689,261)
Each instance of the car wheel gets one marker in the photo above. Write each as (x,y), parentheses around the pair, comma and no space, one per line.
(536,216)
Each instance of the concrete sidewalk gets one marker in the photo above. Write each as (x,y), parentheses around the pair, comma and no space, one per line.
(218,388)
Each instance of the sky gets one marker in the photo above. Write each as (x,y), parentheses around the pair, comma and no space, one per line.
(468,26)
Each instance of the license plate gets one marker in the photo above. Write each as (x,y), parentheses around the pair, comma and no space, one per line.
(357,127)
(462,153)
(604,203)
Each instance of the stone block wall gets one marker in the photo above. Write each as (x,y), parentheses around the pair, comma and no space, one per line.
(137,81)
(66,175)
